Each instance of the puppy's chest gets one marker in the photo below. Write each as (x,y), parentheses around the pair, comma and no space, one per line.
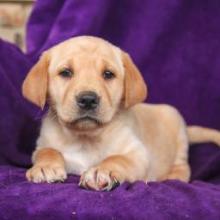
(79,157)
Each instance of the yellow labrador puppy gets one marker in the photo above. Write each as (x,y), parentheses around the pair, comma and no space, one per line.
(97,127)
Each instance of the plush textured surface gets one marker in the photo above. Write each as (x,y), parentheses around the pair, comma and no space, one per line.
(176,46)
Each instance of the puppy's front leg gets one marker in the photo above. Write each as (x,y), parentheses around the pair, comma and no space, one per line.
(114,170)
(49,166)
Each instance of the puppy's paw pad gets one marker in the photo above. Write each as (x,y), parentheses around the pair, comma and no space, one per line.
(106,181)
(38,174)
(98,179)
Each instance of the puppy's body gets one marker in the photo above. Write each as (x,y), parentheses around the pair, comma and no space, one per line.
(115,139)
(145,129)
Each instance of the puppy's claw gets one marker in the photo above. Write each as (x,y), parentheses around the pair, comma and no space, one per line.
(115,183)
(80,184)
(111,185)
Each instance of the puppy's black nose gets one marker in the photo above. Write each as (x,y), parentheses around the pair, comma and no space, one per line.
(87,100)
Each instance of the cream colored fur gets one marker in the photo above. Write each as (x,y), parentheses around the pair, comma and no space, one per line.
(132,141)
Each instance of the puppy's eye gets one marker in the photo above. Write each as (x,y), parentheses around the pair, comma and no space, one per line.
(107,74)
(66,73)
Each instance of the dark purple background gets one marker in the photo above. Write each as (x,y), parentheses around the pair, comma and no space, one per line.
(176,45)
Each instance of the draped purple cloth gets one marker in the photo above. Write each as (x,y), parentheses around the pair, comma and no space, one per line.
(176,45)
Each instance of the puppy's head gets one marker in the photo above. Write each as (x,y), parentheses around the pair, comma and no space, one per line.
(86,81)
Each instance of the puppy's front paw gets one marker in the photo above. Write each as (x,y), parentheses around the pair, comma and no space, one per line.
(48,173)
(99,179)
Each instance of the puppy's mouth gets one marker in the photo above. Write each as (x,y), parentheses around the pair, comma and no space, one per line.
(84,123)
(88,119)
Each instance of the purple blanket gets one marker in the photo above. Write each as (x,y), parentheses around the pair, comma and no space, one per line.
(176,45)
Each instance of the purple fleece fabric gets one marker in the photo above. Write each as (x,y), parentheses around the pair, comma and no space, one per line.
(176,45)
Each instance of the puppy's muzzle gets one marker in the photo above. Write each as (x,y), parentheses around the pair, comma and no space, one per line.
(87,100)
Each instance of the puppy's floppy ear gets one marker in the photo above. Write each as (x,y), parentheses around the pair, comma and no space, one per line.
(34,87)
(135,89)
